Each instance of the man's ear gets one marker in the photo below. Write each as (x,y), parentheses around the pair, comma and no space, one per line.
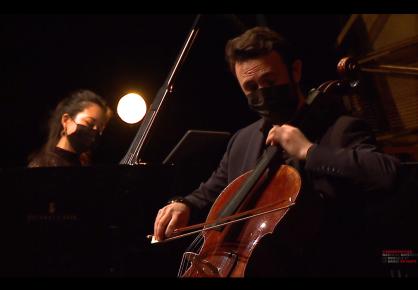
(297,70)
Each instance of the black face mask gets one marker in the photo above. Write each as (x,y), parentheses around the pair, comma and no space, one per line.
(277,104)
(83,139)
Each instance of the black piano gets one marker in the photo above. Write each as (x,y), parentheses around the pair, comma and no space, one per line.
(89,221)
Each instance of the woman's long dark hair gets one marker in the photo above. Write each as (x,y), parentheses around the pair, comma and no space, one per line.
(75,103)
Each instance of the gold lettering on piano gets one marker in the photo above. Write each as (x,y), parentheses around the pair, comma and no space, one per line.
(52,216)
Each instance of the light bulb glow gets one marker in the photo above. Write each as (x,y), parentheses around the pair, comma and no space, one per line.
(131,108)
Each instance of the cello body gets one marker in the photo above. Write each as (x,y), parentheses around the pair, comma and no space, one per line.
(227,250)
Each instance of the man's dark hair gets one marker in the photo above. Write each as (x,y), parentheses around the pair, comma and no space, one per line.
(256,42)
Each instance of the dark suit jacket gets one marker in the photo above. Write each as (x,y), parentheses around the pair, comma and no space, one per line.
(345,157)
(323,234)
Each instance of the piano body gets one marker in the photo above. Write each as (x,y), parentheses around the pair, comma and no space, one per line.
(89,221)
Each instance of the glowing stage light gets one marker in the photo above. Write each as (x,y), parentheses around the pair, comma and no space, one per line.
(131,108)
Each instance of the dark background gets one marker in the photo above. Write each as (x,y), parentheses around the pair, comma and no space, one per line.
(43,57)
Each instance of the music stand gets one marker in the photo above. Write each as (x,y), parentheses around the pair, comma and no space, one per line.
(196,143)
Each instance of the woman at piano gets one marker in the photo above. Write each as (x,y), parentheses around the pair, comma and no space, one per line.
(75,127)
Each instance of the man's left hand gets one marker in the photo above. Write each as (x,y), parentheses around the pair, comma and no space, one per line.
(291,139)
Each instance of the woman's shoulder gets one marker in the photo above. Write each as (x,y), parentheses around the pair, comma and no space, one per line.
(46,159)
(52,159)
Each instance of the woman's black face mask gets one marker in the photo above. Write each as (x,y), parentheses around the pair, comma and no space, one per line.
(276,104)
(83,139)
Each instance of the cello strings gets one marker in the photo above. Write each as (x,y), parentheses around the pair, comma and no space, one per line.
(191,247)
(183,260)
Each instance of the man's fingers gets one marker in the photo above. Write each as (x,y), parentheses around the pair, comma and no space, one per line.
(161,225)
(273,135)
(157,219)
(171,226)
